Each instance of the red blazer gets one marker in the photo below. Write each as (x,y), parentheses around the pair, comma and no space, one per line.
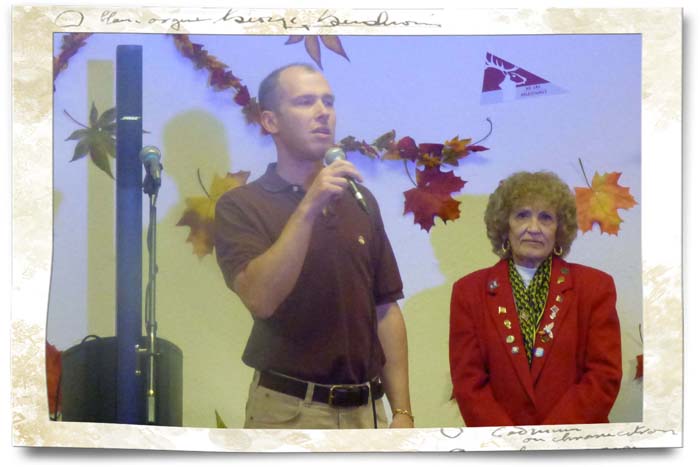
(576,371)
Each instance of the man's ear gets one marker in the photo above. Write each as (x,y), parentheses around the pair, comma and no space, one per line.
(268,120)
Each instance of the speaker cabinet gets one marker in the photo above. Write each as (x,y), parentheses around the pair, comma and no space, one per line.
(89,382)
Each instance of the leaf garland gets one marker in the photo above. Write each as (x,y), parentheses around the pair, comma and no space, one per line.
(70,45)
(313,46)
(220,77)
(432,195)
(98,139)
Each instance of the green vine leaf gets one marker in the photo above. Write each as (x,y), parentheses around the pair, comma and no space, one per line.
(97,140)
(219,421)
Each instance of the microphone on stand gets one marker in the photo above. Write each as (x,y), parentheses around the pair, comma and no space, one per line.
(335,153)
(150,157)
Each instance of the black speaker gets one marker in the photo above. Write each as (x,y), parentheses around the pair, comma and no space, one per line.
(89,382)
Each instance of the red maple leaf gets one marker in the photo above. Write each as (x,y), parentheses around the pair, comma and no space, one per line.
(640,367)
(433,197)
(53,377)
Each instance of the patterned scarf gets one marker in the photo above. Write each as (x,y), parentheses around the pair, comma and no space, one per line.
(530,302)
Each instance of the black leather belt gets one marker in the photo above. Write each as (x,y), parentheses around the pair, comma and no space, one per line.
(337,395)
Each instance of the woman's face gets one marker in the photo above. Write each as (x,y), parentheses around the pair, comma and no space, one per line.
(532,233)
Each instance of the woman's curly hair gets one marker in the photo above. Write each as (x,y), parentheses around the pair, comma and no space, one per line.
(523,188)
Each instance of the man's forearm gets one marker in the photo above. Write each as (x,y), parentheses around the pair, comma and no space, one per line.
(392,335)
(268,279)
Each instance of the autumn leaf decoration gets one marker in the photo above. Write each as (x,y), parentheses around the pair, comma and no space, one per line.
(639,373)
(199,211)
(313,46)
(219,421)
(220,77)
(598,204)
(53,379)
(432,195)
(70,45)
(98,139)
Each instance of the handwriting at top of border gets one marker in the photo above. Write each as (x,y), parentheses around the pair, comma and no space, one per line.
(325,20)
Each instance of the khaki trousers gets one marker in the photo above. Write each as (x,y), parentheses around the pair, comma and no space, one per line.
(274,410)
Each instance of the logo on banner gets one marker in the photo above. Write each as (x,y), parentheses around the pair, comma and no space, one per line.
(505,82)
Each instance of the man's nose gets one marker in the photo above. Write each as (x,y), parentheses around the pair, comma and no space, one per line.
(322,110)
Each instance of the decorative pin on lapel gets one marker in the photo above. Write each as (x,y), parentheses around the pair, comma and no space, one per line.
(510,339)
(539,351)
(554,310)
(559,298)
(515,350)
(493,285)
(502,310)
(560,279)
(565,271)
(548,330)
(507,324)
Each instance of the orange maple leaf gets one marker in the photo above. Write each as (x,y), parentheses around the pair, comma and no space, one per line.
(599,203)
(199,213)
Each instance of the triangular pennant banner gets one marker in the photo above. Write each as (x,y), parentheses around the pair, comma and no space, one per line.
(505,82)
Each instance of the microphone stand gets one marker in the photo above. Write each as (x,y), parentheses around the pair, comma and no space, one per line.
(150,187)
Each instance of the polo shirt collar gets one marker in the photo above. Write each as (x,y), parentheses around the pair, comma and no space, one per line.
(271,181)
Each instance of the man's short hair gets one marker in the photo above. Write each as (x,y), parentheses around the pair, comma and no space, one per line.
(268,97)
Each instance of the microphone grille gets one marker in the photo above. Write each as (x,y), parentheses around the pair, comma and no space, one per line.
(149,151)
(334,153)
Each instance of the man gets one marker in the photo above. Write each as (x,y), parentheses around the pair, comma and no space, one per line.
(316,272)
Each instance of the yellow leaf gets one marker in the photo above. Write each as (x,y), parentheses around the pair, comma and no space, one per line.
(458,146)
(200,210)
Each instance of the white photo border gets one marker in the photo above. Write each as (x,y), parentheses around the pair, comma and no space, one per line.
(661,30)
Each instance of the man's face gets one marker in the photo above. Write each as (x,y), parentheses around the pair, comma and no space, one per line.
(304,123)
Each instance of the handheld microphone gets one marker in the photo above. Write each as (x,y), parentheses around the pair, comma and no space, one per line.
(150,157)
(337,153)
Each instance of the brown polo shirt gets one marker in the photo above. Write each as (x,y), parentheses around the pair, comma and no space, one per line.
(323,331)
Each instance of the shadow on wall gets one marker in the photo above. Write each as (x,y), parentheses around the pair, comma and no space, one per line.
(460,247)
(196,310)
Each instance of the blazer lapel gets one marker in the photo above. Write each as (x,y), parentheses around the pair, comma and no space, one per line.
(558,304)
(501,309)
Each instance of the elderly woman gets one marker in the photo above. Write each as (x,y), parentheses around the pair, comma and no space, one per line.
(534,339)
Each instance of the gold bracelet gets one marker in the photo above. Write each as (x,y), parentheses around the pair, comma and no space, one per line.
(403,412)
